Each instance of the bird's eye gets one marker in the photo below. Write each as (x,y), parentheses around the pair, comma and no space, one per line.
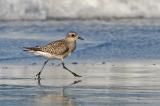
(72,35)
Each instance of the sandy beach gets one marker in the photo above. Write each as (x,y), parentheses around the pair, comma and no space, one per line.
(115,83)
(119,62)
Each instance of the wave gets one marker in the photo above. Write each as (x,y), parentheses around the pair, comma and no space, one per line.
(78,9)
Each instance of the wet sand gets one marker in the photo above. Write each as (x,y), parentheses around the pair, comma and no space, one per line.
(133,82)
(102,84)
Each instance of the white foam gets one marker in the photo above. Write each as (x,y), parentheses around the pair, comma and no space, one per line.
(79,9)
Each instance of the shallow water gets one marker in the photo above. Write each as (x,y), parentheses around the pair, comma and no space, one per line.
(135,84)
(119,62)
(105,40)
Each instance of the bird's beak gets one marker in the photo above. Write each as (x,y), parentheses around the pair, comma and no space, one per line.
(80,38)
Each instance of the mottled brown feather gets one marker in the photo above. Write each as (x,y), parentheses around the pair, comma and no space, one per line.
(56,48)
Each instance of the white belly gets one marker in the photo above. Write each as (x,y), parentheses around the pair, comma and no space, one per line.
(45,54)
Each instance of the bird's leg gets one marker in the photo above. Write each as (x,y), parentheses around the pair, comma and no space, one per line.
(76,75)
(39,73)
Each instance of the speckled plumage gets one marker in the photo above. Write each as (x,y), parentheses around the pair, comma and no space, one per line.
(59,47)
(57,50)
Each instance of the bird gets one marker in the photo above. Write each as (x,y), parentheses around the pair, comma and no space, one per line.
(59,49)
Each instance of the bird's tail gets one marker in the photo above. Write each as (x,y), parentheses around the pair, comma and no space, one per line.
(31,49)
(35,50)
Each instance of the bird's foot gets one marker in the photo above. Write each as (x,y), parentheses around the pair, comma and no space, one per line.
(76,75)
(38,77)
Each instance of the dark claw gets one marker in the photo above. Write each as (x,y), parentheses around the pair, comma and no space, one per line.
(38,76)
(76,75)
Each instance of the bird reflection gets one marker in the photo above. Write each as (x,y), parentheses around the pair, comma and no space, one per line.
(54,98)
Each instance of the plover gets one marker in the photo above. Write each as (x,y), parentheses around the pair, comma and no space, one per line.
(59,49)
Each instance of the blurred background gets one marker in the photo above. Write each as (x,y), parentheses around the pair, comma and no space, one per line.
(71,9)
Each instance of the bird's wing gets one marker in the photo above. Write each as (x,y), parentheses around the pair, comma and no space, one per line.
(57,48)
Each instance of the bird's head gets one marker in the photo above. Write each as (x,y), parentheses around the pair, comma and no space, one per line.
(73,36)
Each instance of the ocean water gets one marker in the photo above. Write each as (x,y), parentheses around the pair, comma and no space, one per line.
(119,62)
(104,41)
(109,84)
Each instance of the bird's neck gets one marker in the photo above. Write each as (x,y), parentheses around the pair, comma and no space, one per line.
(70,41)
(71,45)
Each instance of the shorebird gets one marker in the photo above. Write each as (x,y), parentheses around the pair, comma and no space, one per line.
(59,49)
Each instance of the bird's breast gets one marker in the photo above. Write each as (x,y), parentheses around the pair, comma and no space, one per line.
(72,46)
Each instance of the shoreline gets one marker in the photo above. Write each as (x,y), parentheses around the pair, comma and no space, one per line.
(124,82)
